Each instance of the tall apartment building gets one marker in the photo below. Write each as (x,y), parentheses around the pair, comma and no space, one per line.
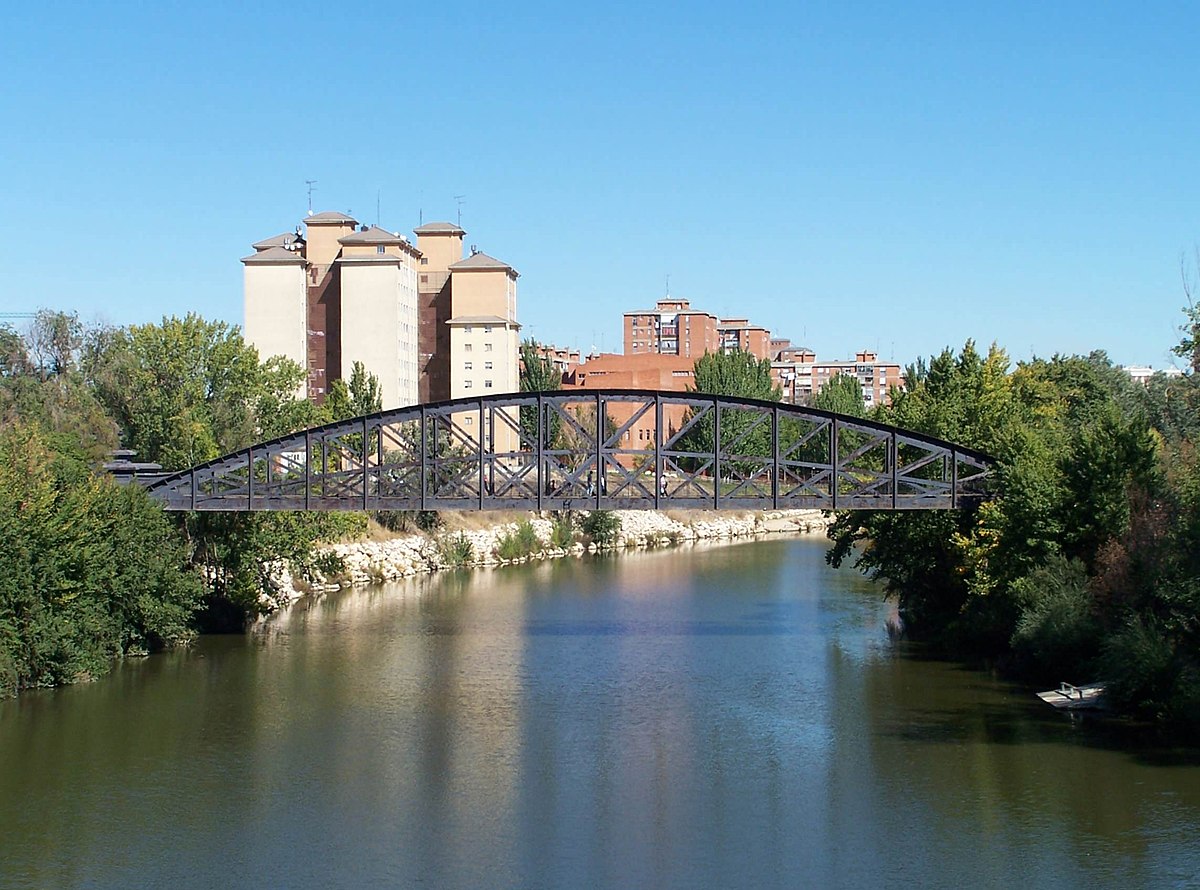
(672,327)
(333,293)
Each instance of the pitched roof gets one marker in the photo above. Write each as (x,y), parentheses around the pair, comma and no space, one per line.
(439,228)
(479,262)
(274,256)
(328,217)
(373,235)
(277,241)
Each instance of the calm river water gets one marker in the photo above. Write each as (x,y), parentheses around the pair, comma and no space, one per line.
(726,717)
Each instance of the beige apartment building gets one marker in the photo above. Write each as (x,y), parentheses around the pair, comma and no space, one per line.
(333,293)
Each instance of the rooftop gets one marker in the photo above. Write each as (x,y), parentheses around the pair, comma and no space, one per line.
(482,319)
(277,241)
(274,256)
(439,228)
(328,217)
(373,235)
(480,262)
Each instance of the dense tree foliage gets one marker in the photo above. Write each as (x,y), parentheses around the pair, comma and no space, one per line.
(1085,565)
(842,395)
(538,374)
(741,375)
(89,569)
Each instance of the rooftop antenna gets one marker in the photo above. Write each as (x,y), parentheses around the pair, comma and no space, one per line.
(668,285)
(310,183)
(459,199)
(376,208)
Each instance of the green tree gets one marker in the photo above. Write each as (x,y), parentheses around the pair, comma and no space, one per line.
(183,391)
(736,374)
(842,394)
(538,374)
(89,570)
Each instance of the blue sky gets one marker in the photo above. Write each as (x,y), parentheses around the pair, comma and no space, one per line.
(891,176)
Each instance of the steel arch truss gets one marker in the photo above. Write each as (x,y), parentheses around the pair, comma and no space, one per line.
(612,449)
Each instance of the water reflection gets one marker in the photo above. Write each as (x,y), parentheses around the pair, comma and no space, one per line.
(711,717)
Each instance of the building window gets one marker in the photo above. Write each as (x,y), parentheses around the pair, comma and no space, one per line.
(466,366)
(379,248)
(424,262)
(467,347)
(487,366)
(487,384)
(466,384)
(487,347)
(487,329)
(424,278)
(466,329)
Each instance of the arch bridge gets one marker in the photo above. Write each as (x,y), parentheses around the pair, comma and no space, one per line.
(590,449)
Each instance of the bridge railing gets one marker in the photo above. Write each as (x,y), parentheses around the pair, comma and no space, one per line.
(607,449)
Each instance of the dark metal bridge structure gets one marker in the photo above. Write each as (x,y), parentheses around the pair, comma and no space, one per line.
(597,449)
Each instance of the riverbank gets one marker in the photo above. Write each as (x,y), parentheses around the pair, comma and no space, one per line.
(360,563)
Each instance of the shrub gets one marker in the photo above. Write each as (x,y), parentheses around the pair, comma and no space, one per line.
(455,551)
(562,532)
(519,543)
(395,520)
(428,520)
(602,527)
(1057,633)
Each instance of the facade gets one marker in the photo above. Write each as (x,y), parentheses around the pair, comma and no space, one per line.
(333,293)
(800,376)
(672,327)
(737,334)
(658,372)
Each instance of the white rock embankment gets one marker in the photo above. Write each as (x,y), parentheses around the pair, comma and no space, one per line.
(375,562)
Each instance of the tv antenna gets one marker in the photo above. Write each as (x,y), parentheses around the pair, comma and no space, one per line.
(310,183)
(459,199)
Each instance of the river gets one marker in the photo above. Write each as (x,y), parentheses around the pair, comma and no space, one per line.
(720,717)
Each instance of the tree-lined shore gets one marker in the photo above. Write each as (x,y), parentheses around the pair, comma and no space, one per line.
(1087,566)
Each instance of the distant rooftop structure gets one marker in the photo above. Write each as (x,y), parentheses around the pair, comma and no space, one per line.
(373,235)
(328,216)
(479,262)
(439,228)
(1142,373)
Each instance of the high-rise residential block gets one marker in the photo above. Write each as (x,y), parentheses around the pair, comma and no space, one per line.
(333,293)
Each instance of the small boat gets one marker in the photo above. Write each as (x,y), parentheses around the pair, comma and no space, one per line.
(1074,698)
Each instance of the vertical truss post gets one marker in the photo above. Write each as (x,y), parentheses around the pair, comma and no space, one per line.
(479,443)
(953,479)
(834,480)
(491,473)
(599,447)
(540,449)
(364,467)
(660,476)
(894,459)
(250,478)
(308,469)
(422,473)
(716,453)
(775,458)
